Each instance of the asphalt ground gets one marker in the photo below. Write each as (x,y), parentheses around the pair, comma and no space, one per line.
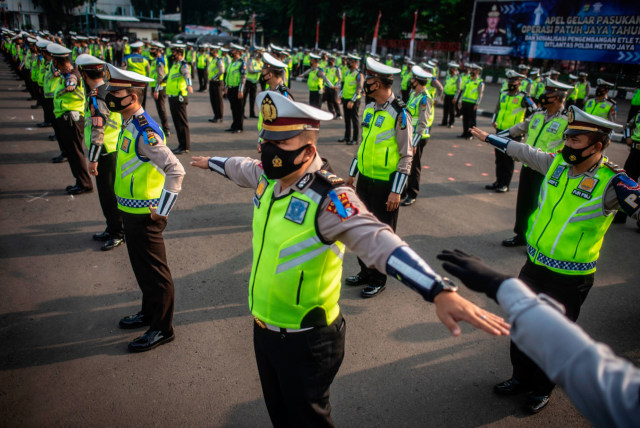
(64,362)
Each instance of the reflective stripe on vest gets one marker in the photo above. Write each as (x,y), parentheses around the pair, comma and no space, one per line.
(378,153)
(541,134)
(511,111)
(293,271)
(565,232)
(138,182)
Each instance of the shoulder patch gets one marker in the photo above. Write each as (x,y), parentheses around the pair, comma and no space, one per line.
(341,206)
(150,137)
(329,177)
(614,167)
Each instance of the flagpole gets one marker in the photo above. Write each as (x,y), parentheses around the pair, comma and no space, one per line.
(374,43)
(317,32)
(342,34)
(413,34)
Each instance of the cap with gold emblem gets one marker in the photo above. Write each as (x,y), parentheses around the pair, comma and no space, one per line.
(122,79)
(89,62)
(581,122)
(494,11)
(284,119)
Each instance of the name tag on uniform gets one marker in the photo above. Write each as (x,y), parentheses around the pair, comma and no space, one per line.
(379,121)
(553,128)
(535,123)
(126,142)
(297,210)
(367,120)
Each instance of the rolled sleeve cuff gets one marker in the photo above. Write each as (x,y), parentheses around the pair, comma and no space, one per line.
(94,152)
(166,202)
(399,181)
(216,164)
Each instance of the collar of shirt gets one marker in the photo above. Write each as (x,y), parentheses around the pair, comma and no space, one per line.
(136,114)
(379,107)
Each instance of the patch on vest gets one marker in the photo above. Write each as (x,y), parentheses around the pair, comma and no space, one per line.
(581,194)
(297,210)
(379,121)
(367,120)
(126,142)
(588,184)
(556,175)
(346,211)
(553,128)
(96,120)
(262,186)
(535,123)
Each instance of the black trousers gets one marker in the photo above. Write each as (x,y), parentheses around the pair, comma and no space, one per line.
(161,106)
(148,257)
(468,118)
(413,183)
(580,103)
(374,195)
(57,132)
(47,107)
(351,120)
(215,97)
(527,200)
(632,167)
(72,143)
(202,79)
(405,94)
(236,109)
(331,97)
(144,96)
(296,371)
(315,100)
(504,167)
(180,120)
(104,182)
(250,89)
(449,108)
(571,291)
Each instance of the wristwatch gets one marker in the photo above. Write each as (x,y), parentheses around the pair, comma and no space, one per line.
(444,284)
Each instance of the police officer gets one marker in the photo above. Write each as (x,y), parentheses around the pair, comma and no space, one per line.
(421,108)
(537,84)
(581,190)
(383,160)
(216,82)
(316,81)
(601,105)
(334,75)
(510,111)
(160,69)
(148,180)
(635,104)
(202,64)
(544,131)
(272,76)
(469,99)
(405,78)
(352,83)
(527,84)
(451,90)
(68,108)
(572,95)
(632,164)
(584,88)
(137,63)
(101,131)
(235,80)
(304,217)
(178,89)
(254,65)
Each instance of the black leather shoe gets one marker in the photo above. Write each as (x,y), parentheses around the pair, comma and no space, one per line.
(237,131)
(134,321)
(52,137)
(150,340)
(35,106)
(229,130)
(408,201)
(509,387)
(535,403)
(516,241)
(492,186)
(59,159)
(69,187)
(102,236)
(179,151)
(44,124)
(462,136)
(357,279)
(371,290)
(76,190)
(213,120)
(343,140)
(352,142)
(502,189)
(112,243)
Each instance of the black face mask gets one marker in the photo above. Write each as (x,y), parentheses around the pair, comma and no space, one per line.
(574,156)
(263,78)
(513,87)
(278,163)
(600,92)
(546,99)
(414,85)
(367,88)
(115,104)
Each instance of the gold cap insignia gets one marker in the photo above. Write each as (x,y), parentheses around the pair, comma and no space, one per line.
(108,74)
(276,162)
(268,110)
(571,115)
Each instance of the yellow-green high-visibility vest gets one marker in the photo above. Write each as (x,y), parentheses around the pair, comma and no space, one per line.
(471,91)
(565,232)
(295,275)
(600,109)
(510,111)
(541,134)
(451,84)
(378,153)
(350,84)
(415,101)
(138,183)
(233,75)
(64,101)
(137,63)
(112,123)
(582,89)
(314,82)
(176,83)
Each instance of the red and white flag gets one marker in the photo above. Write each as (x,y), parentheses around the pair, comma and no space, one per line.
(291,33)
(413,34)
(342,36)
(317,33)
(253,29)
(374,43)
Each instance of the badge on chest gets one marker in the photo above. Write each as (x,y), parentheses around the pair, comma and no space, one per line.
(585,188)
(556,175)
(367,120)
(297,210)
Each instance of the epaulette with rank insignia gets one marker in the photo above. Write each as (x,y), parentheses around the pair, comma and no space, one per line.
(142,120)
(330,177)
(93,92)
(614,167)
